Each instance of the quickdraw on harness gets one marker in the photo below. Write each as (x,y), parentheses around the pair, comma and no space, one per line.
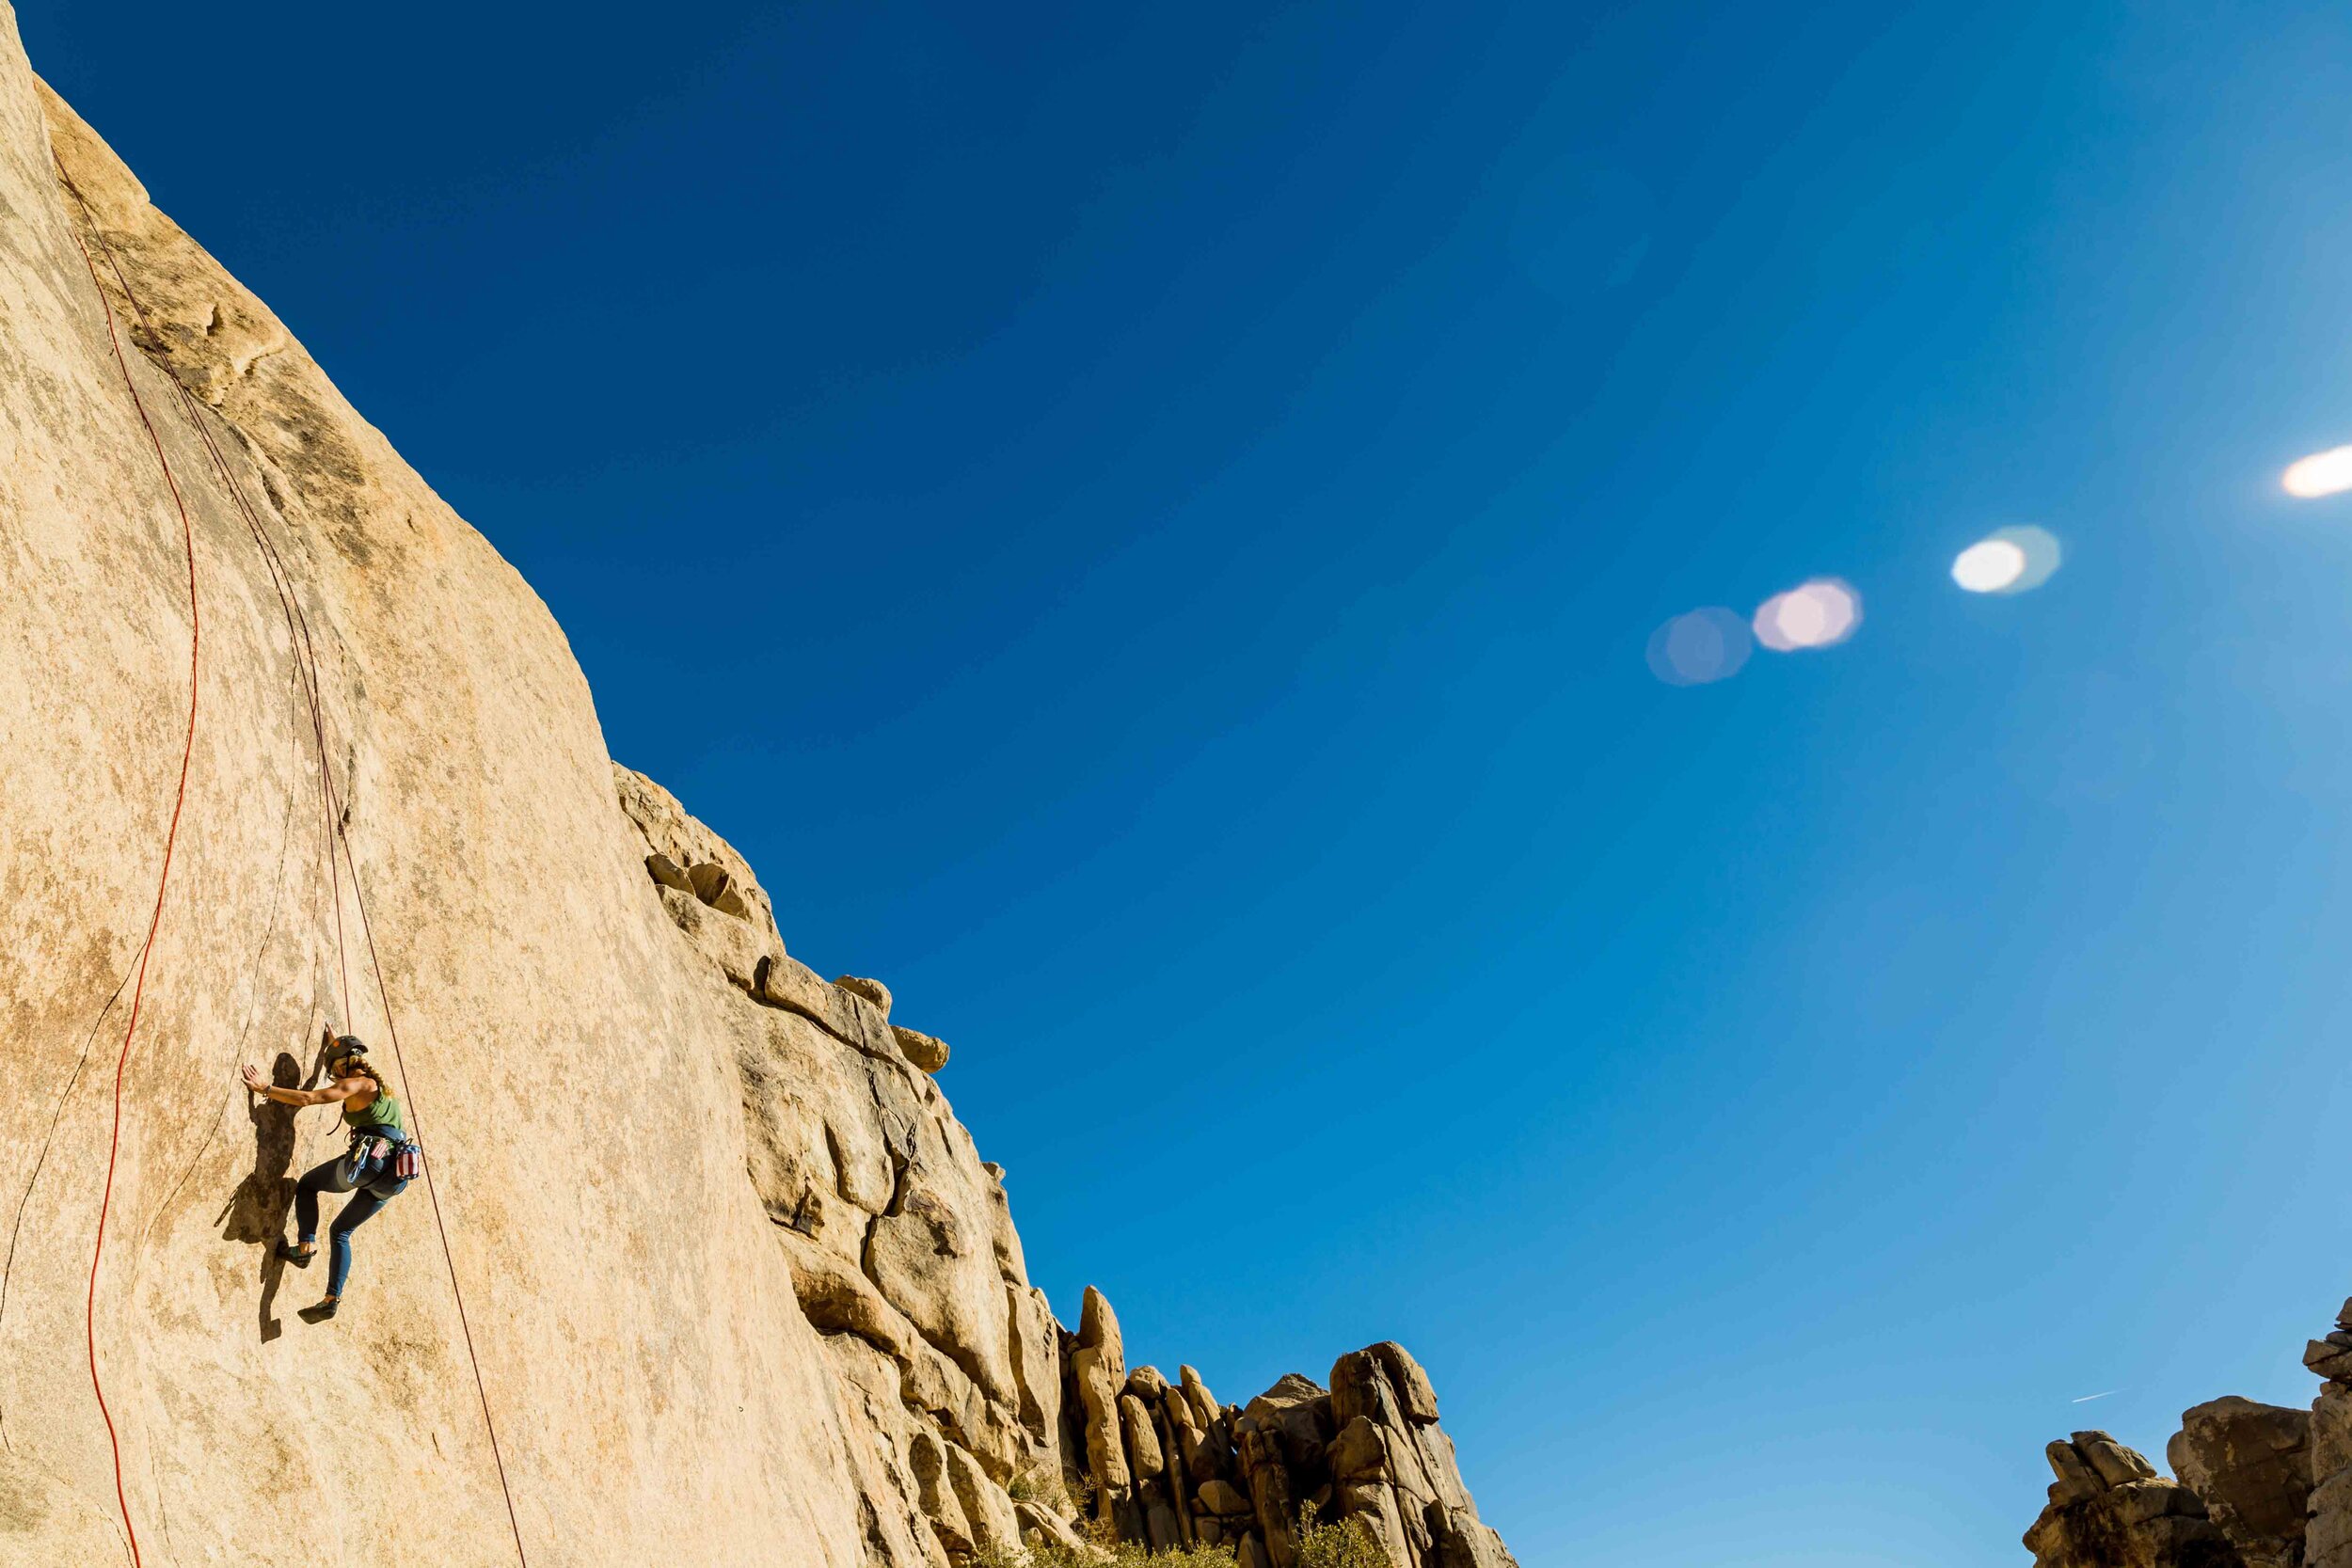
(377,1152)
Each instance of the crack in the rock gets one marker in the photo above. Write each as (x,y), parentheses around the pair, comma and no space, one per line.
(8,1270)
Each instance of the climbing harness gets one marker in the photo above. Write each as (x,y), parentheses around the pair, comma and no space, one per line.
(337,836)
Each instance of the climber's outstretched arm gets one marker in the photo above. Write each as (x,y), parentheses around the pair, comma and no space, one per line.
(331,1094)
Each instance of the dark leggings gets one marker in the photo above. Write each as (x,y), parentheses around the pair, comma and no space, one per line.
(338,1175)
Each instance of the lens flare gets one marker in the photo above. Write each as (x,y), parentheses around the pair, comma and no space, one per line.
(2008,560)
(1706,645)
(2323,473)
(1989,565)
(1817,614)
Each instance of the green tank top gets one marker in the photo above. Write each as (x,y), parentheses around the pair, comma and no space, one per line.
(383,1112)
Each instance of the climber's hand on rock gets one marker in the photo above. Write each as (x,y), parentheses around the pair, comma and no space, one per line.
(253,1079)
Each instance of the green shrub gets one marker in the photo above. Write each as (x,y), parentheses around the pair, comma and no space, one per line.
(1102,1552)
(1348,1543)
(1041,1487)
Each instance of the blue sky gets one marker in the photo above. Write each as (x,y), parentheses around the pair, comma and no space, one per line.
(1143,523)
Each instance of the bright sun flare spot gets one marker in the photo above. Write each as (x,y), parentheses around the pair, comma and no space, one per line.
(1817,614)
(1989,565)
(2323,473)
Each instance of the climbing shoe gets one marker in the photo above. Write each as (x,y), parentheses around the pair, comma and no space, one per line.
(300,1259)
(320,1313)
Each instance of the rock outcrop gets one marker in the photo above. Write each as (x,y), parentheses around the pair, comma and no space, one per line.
(737,1285)
(2109,1509)
(2261,1485)
(2251,1463)
(1167,1465)
(2327,1536)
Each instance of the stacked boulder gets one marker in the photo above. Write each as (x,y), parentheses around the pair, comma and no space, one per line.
(2327,1538)
(977,1422)
(2109,1509)
(1394,1467)
(2258,1485)
(1167,1465)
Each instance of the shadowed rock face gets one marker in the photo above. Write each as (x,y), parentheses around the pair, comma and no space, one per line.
(1189,1471)
(2109,1509)
(743,1288)
(2327,1537)
(2251,1463)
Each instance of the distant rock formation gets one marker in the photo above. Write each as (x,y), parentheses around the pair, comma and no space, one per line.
(2254,1485)
(983,1419)
(1167,1465)
(2109,1509)
(2252,1466)
(737,1285)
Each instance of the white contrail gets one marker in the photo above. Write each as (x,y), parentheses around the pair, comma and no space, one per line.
(2088,1398)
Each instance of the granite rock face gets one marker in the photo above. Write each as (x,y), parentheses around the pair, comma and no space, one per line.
(741,1289)
(1169,1465)
(2263,1485)
(2109,1509)
(2252,1466)
(2328,1535)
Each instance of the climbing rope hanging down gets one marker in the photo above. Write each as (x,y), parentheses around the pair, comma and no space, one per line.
(154,921)
(337,833)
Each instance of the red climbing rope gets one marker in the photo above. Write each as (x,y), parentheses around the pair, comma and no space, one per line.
(154,922)
(299,625)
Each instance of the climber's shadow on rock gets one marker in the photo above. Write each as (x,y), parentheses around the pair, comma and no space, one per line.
(256,1211)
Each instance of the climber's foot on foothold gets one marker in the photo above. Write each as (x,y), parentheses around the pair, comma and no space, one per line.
(320,1313)
(299,1256)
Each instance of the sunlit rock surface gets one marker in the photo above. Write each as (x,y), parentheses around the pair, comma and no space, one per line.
(741,1289)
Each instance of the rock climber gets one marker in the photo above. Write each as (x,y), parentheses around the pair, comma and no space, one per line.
(378,1165)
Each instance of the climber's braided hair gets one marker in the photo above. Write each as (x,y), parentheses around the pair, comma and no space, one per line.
(351,1055)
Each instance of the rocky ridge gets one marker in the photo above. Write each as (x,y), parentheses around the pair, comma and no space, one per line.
(851,1367)
(2253,1485)
(985,1417)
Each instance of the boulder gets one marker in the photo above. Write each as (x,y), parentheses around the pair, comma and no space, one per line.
(1297,1412)
(2251,1465)
(2116,1465)
(928,1456)
(1359,1452)
(2332,1358)
(924,1051)
(1205,1409)
(662,869)
(715,886)
(986,1507)
(872,991)
(1463,1542)
(2327,1536)
(1042,1527)
(2129,1516)
(791,985)
(1143,1440)
(1160,1529)
(1098,1368)
(1221,1496)
(1272,1498)
(1414,1392)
